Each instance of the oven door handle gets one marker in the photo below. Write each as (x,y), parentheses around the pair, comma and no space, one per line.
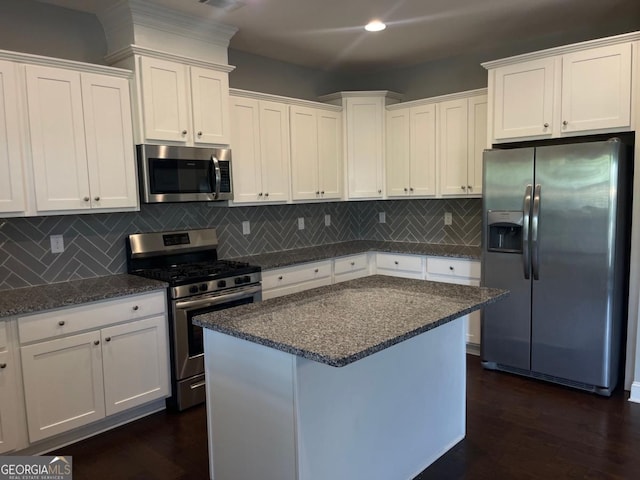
(218,174)
(217,300)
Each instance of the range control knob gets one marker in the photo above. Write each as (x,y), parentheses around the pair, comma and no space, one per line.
(222,283)
(238,280)
(193,289)
(203,287)
(246,279)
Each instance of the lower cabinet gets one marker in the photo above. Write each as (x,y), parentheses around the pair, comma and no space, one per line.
(76,379)
(461,272)
(8,400)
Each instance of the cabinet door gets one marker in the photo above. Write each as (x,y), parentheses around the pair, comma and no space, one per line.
(398,153)
(477,143)
(109,139)
(330,154)
(136,369)
(423,150)
(245,144)
(365,128)
(596,89)
(304,153)
(274,151)
(210,103)
(164,100)
(11,189)
(8,413)
(453,147)
(523,99)
(63,384)
(57,139)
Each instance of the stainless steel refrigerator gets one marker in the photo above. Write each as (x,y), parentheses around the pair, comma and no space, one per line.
(555,233)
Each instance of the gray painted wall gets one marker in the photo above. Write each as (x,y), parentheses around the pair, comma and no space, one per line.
(42,29)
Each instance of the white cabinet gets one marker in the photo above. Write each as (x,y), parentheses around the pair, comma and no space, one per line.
(400,265)
(8,388)
(461,272)
(462,130)
(183,103)
(316,153)
(286,280)
(411,151)
(260,143)
(584,91)
(103,358)
(12,198)
(350,267)
(81,140)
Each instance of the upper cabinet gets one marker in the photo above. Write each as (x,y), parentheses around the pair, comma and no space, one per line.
(81,140)
(580,89)
(185,104)
(316,153)
(260,143)
(12,198)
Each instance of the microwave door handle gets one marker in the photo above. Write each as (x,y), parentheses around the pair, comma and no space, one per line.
(218,175)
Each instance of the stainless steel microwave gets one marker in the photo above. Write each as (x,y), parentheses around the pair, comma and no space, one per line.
(184,174)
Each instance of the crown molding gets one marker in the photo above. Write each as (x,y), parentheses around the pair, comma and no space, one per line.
(439,98)
(236,92)
(131,50)
(574,47)
(389,96)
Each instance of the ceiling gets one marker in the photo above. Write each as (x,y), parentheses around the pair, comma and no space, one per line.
(328,34)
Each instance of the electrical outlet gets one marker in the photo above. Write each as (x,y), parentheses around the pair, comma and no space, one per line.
(246,227)
(448,218)
(382,217)
(327,220)
(57,243)
(300,223)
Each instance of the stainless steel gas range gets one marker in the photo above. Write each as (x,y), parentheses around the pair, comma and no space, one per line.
(198,283)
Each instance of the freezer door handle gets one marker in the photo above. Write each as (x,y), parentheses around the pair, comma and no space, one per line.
(535,220)
(526,255)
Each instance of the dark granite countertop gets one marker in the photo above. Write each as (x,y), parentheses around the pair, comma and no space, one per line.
(322,252)
(341,323)
(75,292)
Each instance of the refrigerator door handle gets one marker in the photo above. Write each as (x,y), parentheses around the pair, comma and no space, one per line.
(535,256)
(526,254)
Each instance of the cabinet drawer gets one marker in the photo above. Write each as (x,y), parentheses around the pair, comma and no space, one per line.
(50,324)
(453,267)
(283,277)
(352,263)
(3,335)
(406,263)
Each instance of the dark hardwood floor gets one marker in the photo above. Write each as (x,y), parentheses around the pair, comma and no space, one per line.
(517,428)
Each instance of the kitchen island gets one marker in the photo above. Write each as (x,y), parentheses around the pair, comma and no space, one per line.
(278,408)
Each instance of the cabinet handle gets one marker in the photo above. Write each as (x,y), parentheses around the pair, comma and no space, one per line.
(546,125)
(135,307)
(199,134)
(3,365)
(184,132)
(108,339)
(280,277)
(97,199)
(96,342)
(61,323)
(565,123)
(86,199)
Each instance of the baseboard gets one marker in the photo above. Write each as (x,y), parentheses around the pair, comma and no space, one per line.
(473,349)
(635,392)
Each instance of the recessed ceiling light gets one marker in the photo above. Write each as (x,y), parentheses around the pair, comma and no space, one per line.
(375,26)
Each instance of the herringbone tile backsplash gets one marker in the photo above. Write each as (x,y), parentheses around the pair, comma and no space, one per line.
(94,244)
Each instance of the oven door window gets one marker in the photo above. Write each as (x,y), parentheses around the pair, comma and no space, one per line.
(181,176)
(195,335)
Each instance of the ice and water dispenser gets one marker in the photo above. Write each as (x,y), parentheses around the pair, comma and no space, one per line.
(505,231)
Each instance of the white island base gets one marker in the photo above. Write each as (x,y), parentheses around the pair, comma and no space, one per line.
(276,416)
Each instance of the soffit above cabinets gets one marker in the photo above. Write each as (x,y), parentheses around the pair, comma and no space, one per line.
(329,34)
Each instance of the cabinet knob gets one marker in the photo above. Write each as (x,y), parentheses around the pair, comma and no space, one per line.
(565,123)
(86,199)
(61,323)
(316,270)
(96,342)
(379,191)
(411,189)
(184,132)
(266,194)
(450,267)
(260,194)
(280,277)
(3,365)
(97,199)
(322,192)
(199,134)
(317,192)
(135,307)
(546,125)
(405,189)
(108,339)
(396,262)
(353,263)
(469,187)
(463,187)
